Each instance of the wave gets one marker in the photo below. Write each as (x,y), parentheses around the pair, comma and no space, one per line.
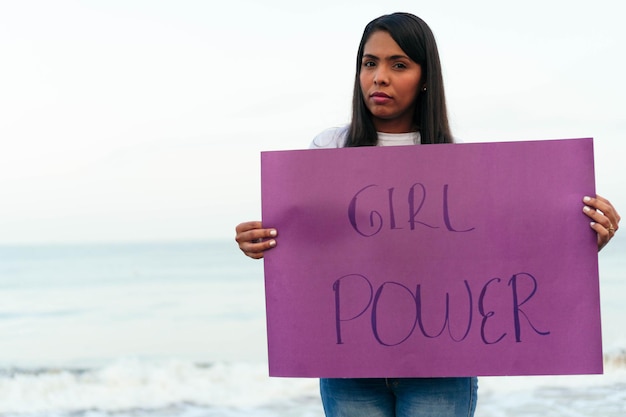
(132,384)
(181,388)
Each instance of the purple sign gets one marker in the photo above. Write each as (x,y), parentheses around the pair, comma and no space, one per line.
(433,260)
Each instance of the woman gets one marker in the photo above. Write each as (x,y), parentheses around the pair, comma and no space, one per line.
(399,100)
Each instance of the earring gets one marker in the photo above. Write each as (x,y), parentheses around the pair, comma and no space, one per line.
(424,88)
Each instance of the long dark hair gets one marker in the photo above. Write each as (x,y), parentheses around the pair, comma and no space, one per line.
(416,39)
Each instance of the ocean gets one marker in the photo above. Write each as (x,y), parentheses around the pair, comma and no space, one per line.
(178,329)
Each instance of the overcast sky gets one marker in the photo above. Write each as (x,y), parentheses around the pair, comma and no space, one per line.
(140,120)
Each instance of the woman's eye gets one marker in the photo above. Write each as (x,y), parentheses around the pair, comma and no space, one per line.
(399,65)
(369,64)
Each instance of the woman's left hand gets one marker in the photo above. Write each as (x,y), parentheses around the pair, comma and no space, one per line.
(604,218)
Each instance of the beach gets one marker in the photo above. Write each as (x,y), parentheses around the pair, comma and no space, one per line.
(178,329)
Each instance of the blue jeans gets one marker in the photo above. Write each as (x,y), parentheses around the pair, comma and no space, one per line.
(399,397)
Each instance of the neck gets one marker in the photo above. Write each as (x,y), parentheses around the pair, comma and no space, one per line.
(394,126)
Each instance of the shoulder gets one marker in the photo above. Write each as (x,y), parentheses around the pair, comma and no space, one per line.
(334,137)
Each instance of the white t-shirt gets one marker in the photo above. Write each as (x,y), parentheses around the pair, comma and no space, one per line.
(335,137)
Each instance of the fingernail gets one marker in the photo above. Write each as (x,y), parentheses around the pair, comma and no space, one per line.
(586,209)
(273,233)
(586,199)
(272,243)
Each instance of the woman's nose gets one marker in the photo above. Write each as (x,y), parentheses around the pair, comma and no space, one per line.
(381,76)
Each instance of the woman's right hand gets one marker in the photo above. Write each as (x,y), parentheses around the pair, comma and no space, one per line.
(253,240)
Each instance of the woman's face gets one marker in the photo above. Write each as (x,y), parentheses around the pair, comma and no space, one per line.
(390,83)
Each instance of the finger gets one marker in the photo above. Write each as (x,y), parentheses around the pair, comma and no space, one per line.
(597,217)
(254,255)
(593,208)
(609,210)
(253,240)
(612,214)
(255,236)
(249,231)
(602,211)
(603,234)
(246,226)
(257,250)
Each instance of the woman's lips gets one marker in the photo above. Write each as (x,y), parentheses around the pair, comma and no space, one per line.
(380,98)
